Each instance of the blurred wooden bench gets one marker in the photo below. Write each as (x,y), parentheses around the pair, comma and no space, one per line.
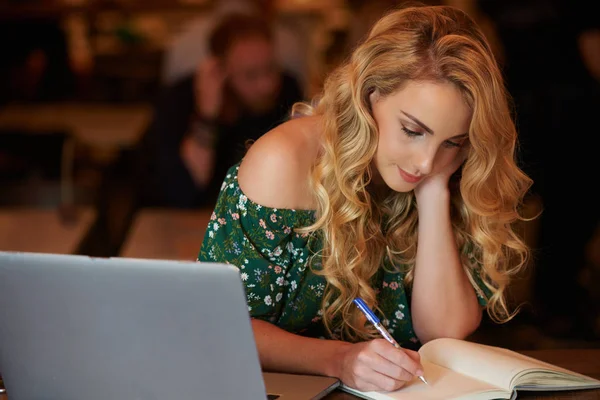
(98,125)
(166,234)
(43,230)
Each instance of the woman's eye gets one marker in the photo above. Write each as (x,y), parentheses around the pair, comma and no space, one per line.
(410,133)
(450,143)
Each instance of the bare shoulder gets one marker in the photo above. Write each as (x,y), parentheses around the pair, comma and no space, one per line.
(276,169)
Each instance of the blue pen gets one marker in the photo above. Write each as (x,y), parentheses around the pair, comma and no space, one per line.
(362,306)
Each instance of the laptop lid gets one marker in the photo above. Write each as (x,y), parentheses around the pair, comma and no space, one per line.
(75,327)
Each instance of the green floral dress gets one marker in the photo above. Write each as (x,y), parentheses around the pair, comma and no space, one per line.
(272,258)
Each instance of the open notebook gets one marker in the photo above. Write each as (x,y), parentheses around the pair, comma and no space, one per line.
(457,369)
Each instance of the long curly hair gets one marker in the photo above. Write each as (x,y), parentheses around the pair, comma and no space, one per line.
(361,230)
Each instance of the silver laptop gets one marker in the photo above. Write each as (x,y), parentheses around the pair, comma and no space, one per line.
(75,327)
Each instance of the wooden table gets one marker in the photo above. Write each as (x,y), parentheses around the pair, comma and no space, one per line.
(584,361)
(98,125)
(166,234)
(43,230)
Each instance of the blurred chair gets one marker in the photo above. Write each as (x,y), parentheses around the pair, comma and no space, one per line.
(45,230)
(170,234)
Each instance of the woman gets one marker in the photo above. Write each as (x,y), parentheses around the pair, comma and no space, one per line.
(400,188)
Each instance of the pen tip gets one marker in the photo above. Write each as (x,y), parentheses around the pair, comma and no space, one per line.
(424,380)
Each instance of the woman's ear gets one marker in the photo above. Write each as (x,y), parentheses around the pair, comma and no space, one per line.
(373,97)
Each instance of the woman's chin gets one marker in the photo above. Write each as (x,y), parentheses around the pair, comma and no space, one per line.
(400,186)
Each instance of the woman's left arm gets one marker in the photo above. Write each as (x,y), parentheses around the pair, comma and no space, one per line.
(444,302)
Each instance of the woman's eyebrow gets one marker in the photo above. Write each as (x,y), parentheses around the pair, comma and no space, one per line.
(428,129)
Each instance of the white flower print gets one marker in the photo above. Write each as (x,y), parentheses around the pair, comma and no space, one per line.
(244,276)
(242,203)
(268,300)
(294,285)
(399,315)
(278,297)
(280,281)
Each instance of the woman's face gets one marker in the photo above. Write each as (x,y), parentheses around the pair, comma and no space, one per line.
(421,130)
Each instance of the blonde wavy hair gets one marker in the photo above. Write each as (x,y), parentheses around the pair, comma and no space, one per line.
(362,231)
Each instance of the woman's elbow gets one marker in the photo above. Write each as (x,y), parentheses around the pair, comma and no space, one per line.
(460,329)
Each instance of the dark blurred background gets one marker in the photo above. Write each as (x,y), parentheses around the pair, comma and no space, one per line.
(116,124)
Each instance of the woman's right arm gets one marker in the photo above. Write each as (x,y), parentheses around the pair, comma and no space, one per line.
(367,366)
(283,351)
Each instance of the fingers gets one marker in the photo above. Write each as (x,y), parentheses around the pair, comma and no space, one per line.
(463,153)
(460,158)
(367,386)
(211,69)
(378,366)
(404,358)
(414,355)
(386,367)
(383,367)
(210,64)
(368,379)
(385,383)
(209,86)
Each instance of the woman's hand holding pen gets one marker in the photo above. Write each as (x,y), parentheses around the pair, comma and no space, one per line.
(377,366)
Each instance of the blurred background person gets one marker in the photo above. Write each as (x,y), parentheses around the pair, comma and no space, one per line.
(203,121)
(190,46)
